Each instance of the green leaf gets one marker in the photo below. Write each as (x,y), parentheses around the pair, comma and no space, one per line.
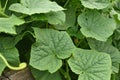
(90,65)
(56,17)
(115,67)
(51,46)
(104,47)
(44,75)
(39,17)
(35,6)
(75,4)
(7,25)
(60,20)
(7,42)
(11,41)
(116,35)
(8,50)
(96,4)
(94,25)
(2,66)
(11,56)
(70,17)
(107,48)
(73,31)
(117,4)
(115,13)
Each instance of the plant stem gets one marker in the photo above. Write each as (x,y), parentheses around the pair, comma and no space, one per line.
(63,72)
(3,15)
(5,5)
(67,72)
(66,3)
(21,65)
(23,16)
(2,10)
(47,25)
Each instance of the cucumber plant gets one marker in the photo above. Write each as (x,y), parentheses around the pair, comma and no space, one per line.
(61,39)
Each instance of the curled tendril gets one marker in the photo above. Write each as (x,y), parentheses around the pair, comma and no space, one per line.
(21,65)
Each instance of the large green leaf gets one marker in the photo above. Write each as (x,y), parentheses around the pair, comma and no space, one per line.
(90,65)
(44,75)
(35,6)
(96,4)
(107,48)
(104,47)
(94,25)
(51,46)
(7,25)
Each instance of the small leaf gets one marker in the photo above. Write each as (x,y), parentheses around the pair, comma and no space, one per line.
(115,13)
(44,75)
(70,19)
(96,4)
(35,6)
(90,65)
(56,17)
(73,31)
(117,4)
(7,25)
(51,46)
(94,25)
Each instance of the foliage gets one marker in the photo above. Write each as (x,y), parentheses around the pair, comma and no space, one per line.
(61,39)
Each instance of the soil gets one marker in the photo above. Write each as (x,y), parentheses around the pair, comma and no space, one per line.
(24,74)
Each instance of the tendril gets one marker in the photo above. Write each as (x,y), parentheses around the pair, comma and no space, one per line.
(20,67)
